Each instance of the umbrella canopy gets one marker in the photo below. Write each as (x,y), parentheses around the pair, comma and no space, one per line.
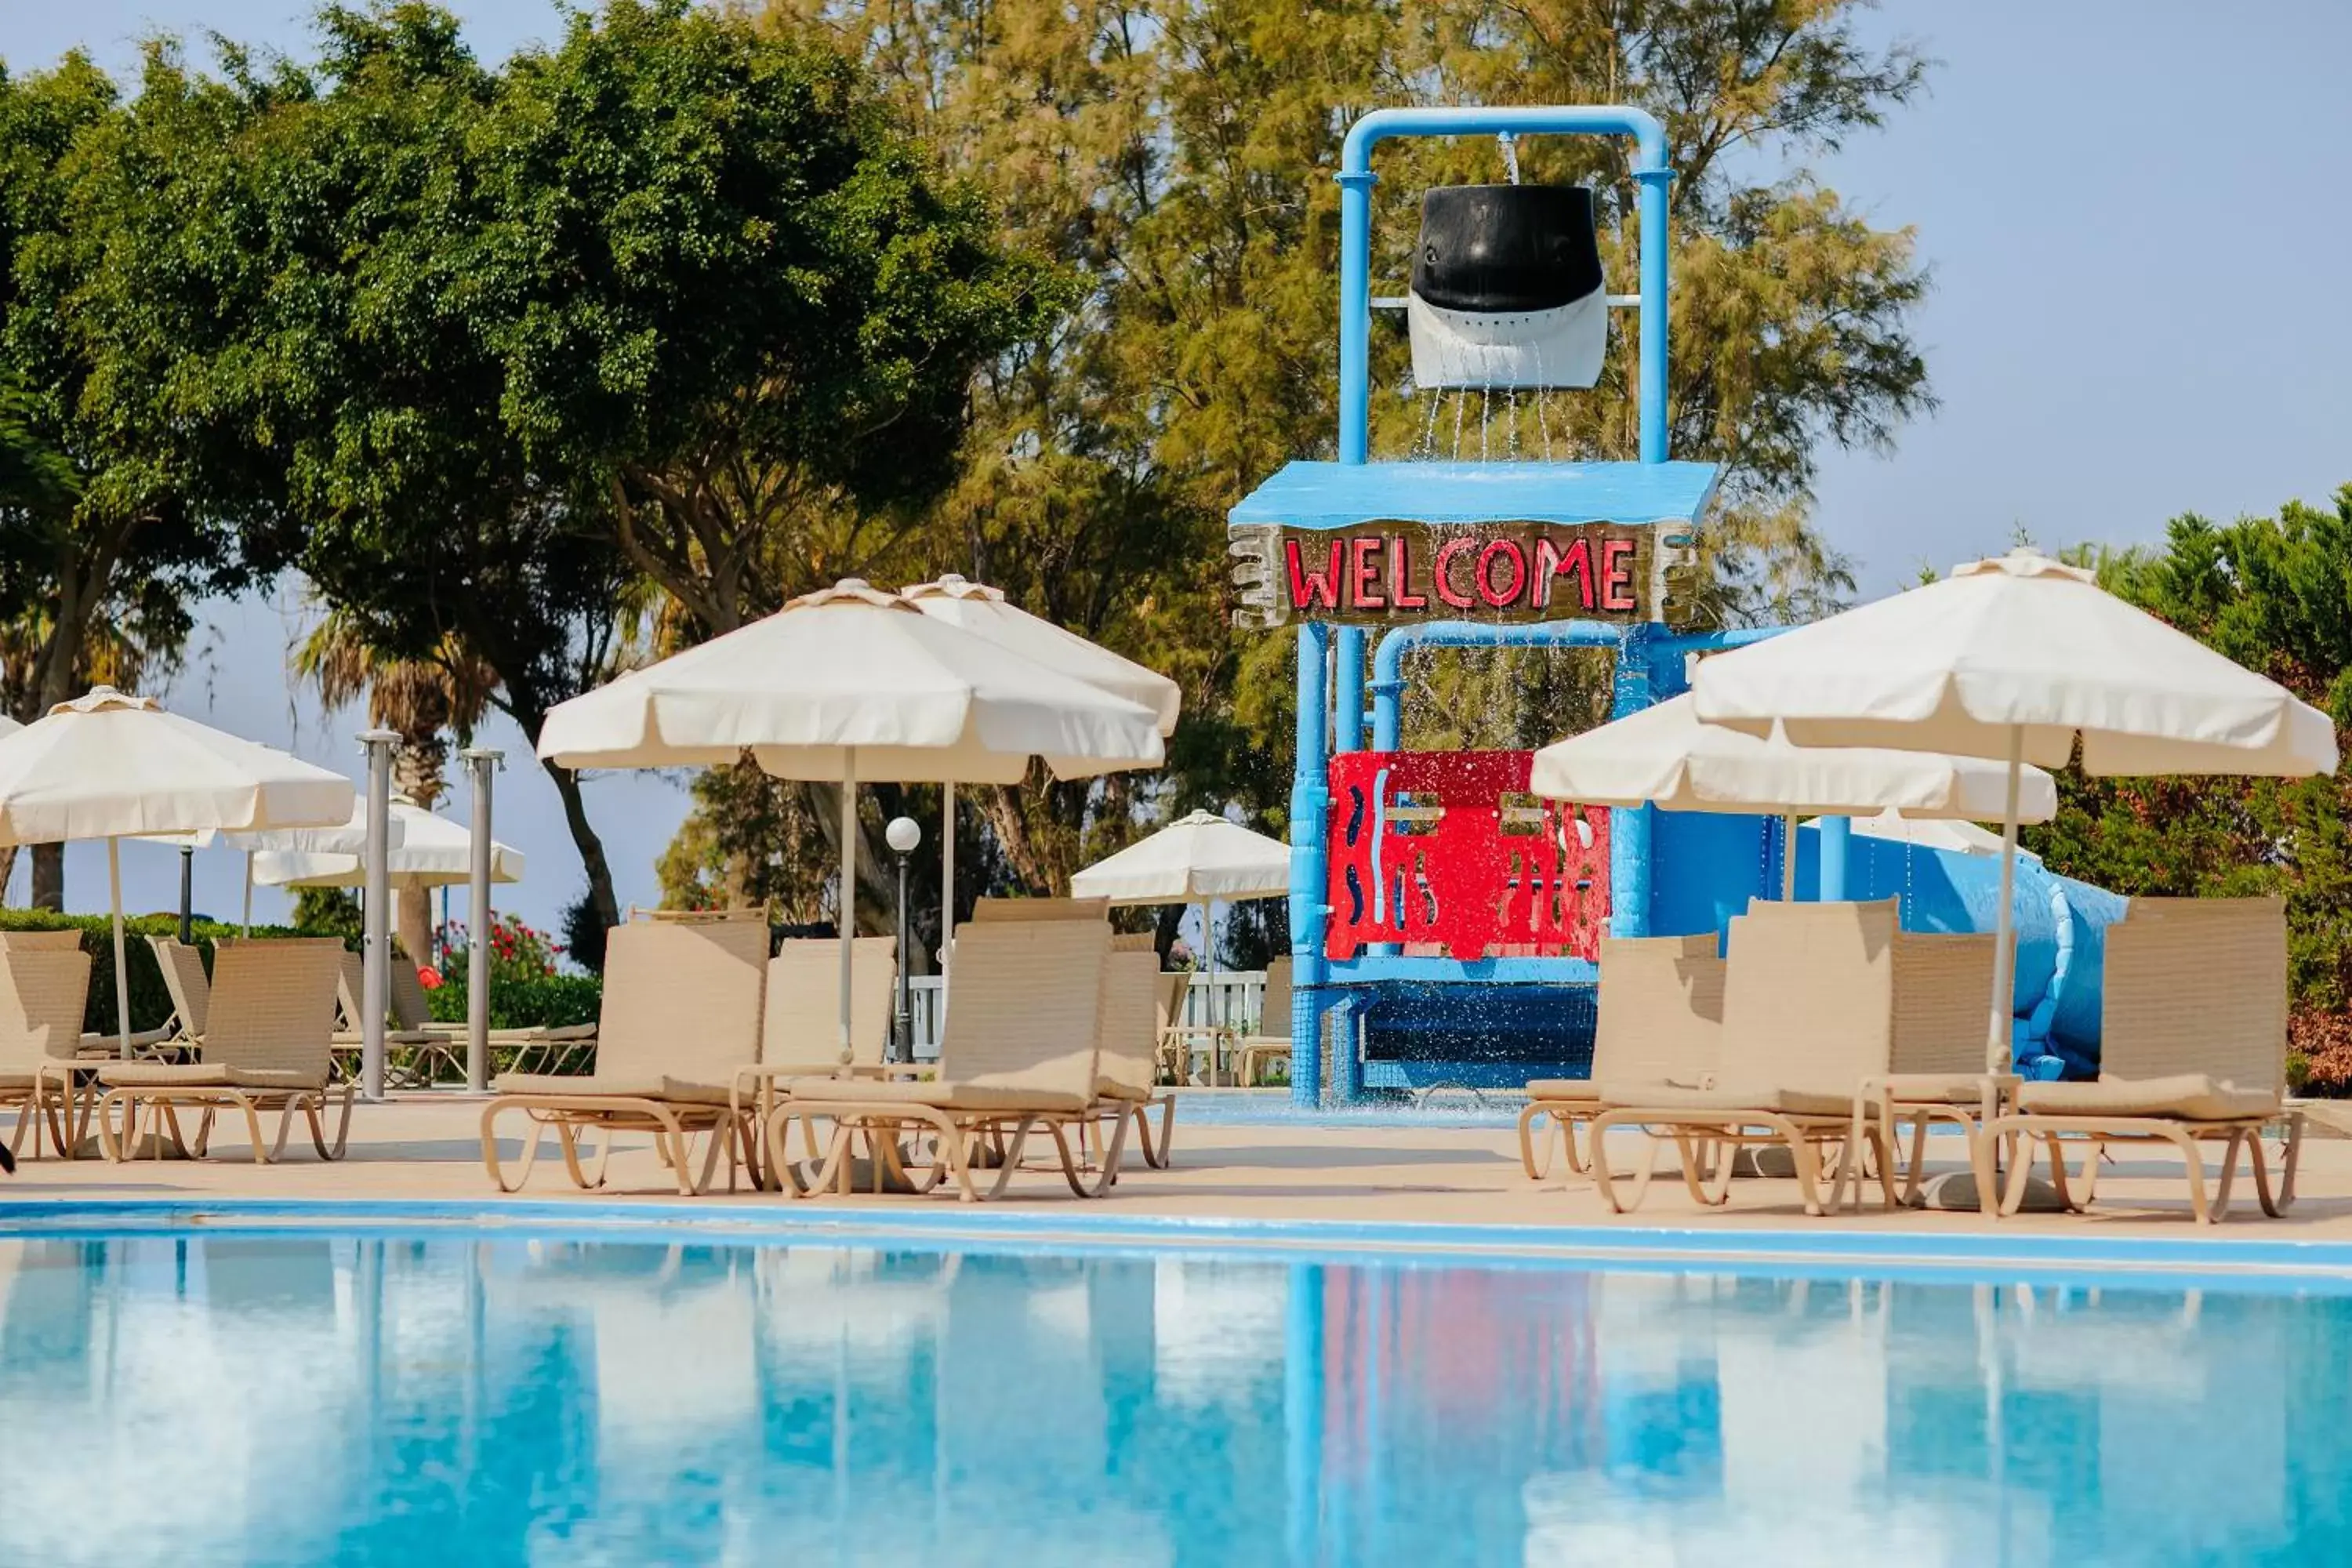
(2019,656)
(346,838)
(984,613)
(852,668)
(111,766)
(1195,858)
(1664,756)
(851,683)
(425,850)
(1956,836)
(2017,649)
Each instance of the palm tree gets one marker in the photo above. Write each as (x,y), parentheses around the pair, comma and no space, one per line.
(425,701)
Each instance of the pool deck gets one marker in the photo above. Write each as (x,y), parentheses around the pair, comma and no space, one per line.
(1239,1168)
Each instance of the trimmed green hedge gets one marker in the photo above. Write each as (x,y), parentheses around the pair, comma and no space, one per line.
(150,1004)
(554,1000)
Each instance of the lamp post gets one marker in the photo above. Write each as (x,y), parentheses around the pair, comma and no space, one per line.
(481,762)
(902,835)
(187,893)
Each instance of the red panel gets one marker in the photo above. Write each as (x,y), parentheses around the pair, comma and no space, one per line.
(1451,870)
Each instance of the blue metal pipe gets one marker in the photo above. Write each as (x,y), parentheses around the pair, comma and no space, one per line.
(1355,180)
(1628,829)
(1388,658)
(1347,735)
(1311,793)
(1832,837)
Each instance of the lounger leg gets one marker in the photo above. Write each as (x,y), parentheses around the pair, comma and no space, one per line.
(2275,1203)
(1807,1157)
(1535,1168)
(1597,1144)
(491,1144)
(2230,1144)
(567,1138)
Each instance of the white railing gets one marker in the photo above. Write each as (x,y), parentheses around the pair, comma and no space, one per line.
(1234,998)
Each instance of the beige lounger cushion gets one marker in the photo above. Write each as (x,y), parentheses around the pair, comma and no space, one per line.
(1930,1090)
(1726,1098)
(1133,1094)
(685,1093)
(937,1096)
(2185,1097)
(1578,1088)
(577,1084)
(196,1075)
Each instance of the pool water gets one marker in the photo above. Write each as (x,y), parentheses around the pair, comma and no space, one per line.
(450,1398)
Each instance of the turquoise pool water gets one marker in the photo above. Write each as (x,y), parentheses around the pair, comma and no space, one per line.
(451,1397)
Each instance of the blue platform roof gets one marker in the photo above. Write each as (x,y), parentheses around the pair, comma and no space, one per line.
(1346,495)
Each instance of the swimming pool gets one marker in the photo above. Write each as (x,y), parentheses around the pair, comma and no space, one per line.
(299,1395)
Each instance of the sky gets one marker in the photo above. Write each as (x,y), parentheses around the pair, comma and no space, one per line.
(2132,212)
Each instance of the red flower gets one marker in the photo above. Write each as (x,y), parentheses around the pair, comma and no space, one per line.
(428,977)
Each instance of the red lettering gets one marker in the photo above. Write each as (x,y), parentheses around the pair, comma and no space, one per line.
(1617,575)
(1364,572)
(1400,594)
(1552,561)
(1308,591)
(1443,575)
(1507,550)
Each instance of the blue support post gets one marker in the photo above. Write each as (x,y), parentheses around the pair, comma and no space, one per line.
(1347,735)
(1629,830)
(1311,793)
(1302,1415)
(1835,836)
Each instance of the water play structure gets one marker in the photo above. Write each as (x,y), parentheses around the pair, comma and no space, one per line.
(1444,924)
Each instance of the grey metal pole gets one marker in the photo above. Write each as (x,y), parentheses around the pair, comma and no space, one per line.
(902,1037)
(482,762)
(375,989)
(187,893)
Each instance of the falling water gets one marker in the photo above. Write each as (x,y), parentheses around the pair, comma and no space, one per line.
(1429,430)
(1510,154)
(1483,453)
(1460,400)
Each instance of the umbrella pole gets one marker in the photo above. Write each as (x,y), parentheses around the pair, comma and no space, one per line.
(845,915)
(947,893)
(122,958)
(2004,957)
(1789,858)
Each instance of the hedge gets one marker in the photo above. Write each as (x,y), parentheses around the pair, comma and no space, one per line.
(151,1002)
(554,1001)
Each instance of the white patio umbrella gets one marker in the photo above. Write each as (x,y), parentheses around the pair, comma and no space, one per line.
(1665,756)
(985,613)
(849,683)
(114,767)
(426,850)
(2018,657)
(1956,836)
(348,837)
(1196,859)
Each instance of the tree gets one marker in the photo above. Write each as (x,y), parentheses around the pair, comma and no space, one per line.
(109,533)
(1175,156)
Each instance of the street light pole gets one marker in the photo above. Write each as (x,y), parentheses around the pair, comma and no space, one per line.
(480,762)
(903,835)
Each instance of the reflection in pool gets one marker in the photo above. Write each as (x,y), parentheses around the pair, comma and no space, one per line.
(298,1398)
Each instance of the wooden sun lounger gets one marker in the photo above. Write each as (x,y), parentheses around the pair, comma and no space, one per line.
(43,992)
(265,1048)
(1942,983)
(1809,1014)
(1271,1041)
(680,1016)
(2193,1050)
(1018,1055)
(800,1025)
(1661,1021)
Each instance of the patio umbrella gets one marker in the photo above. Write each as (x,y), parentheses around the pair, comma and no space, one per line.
(1664,756)
(2018,657)
(1197,859)
(346,838)
(985,613)
(846,683)
(425,850)
(1955,837)
(113,767)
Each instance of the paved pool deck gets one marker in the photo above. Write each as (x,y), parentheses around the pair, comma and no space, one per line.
(1240,1162)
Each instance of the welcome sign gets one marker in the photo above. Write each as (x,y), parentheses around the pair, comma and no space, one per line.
(1391,543)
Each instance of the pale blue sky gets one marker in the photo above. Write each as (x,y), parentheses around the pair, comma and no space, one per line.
(2135,213)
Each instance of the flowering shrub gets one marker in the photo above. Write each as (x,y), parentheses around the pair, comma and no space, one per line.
(518,952)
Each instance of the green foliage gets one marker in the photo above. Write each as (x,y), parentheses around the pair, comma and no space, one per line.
(151,1002)
(551,1001)
(328,911)
(2270,593)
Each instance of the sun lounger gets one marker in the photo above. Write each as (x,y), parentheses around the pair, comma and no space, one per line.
(1271,1041)
(265,1048)
(1661,1021)
(680,1017)
(1018,1054)
(1809,1015)
(800,1028)
(43,992)
(417,1046)
(2192,1048)
(1938,1073)
(91,1043)
(186,982)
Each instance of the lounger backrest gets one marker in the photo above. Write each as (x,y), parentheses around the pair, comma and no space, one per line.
(351,985)
(1809,996)
(1026,1003)
(803,1019)
(1130,1020)
(40,941)
(682,1000)
(273,1004)
(1168,996)
(1942,997)
(1661,1010)
(1136,941)
(42,993)
(410,1008)
(190,987)
(1274,1008)
(2196,985)
(994,910)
